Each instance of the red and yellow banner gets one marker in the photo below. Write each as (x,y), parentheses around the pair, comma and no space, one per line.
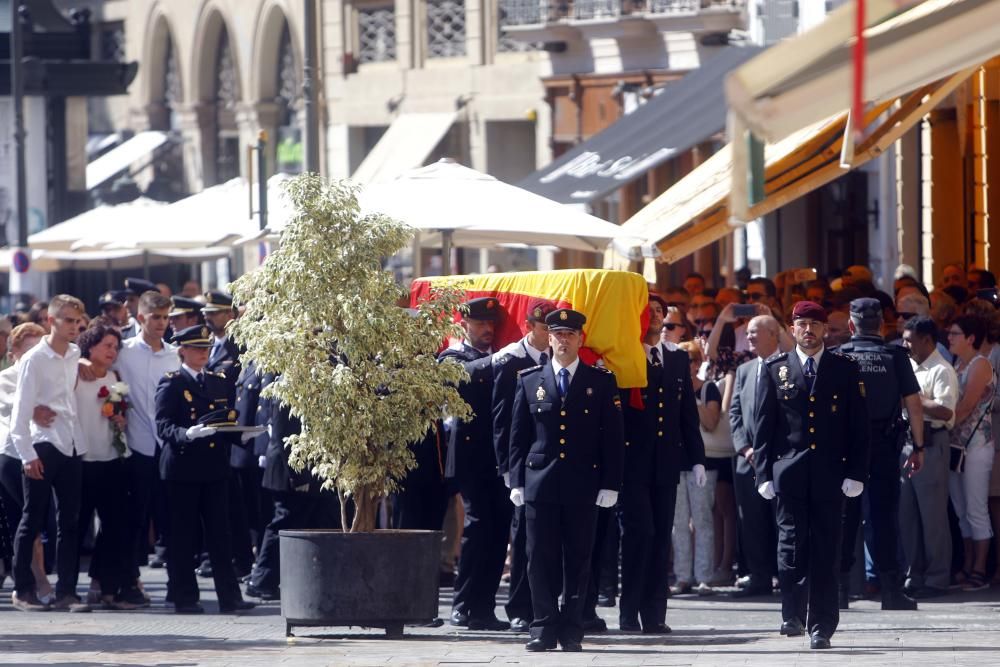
(615,303)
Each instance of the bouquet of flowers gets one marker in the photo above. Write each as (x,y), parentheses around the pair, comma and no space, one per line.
(114,408)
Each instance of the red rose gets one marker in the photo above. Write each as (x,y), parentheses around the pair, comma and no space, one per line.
(103,393)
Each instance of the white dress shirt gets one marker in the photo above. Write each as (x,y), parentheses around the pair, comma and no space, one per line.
(8,385)
(141,369)
(533,352)
(815,357)
(46,378)
(939,382)
(556,367)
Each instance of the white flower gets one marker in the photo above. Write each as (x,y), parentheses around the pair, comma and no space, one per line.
(119,388)
(115,397)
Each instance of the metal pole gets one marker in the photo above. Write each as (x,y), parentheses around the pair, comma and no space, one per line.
(446,235)
(17,97)
(309,89)
(262,177)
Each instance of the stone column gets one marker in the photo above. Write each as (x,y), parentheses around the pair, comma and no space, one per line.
(196,123)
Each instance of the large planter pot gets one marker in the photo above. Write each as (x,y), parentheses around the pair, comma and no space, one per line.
(377,580)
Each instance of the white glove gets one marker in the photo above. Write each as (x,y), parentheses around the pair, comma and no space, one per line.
(700,478)
(199,431)
(506,479)
(261,461)
(851,488)
(517,497)
(247,437)
(607,498)
(766,490)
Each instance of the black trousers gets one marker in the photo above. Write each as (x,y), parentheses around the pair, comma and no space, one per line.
(646,518)
(105,490)
(243,500)
(755,521)
(560,541)
(603,561)
(488,512)
(809,540)
(142,481)
(882,491)
(519,596)
(421,503)
(206,504)
(63,474)
(292,511)
(12,491)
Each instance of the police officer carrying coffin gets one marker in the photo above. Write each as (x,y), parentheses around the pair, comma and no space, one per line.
(888,377)
(194,465)
(532,350)
(811,451)
(565,462)
(472,464)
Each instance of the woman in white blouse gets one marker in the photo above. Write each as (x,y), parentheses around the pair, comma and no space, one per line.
(105,482)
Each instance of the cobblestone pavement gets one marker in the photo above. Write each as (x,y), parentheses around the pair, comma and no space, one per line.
(954,630)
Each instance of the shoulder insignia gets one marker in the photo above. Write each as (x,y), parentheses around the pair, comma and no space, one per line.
(171,374)
(776,358)
(604,369)
(219,374)
(500,359)
(530,369)
(838,353)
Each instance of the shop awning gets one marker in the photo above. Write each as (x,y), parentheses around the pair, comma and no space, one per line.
(803,80)
(683,115)
(696,211)
(404,146)
(123,157)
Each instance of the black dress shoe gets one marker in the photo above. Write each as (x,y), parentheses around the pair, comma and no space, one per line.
(539,644)
(897,601)
(194,608)
(604,600)
(594,625)
(629,625)
(520,625)
(156,562)
(792,628)
(657,629)
(239,605)
(572,647)
(751,592)
(204,570)
(262,593)
(459,619)
(492,624)
(819,641)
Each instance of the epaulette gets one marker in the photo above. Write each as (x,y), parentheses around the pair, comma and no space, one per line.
(605,370)
(530,369)
(219,374)
(776,357)
(500,359)
(838,353)
(171,374)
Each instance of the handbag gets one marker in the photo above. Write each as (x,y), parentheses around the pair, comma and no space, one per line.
(956,460)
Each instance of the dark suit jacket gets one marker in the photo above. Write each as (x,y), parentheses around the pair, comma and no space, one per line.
(180,402)
(226,361)
(565,451)
(278,475)
(471,456)
(507,363)
(807,443)
(253,411)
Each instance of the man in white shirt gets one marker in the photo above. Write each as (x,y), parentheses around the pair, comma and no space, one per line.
(142,362)
(923,499)
(51,455)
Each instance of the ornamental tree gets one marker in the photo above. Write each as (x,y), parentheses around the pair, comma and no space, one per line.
(358,370)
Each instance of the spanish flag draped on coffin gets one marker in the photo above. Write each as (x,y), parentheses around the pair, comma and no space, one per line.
(615,303)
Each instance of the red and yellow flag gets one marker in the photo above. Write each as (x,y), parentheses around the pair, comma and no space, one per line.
(614,302)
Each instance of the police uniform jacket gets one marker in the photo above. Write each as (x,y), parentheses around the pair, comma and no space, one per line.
(887,374)
(253,411)
(470,443)
(278,474)
(226,360)
(565,450)
(807,443)
(180,403)
(507,363)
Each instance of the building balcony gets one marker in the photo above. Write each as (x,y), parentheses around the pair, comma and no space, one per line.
(568,20)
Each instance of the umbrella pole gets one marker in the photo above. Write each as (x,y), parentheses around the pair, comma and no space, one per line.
(145,264)
(107,268)
(446,235)
(417,256)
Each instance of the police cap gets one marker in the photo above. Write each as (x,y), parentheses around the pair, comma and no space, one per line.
(138,285)
(196,336)
(181,305)
(113,298)
(483,308)
(565,319)
(217,300)
(866,309)
(538,309)
(217,418)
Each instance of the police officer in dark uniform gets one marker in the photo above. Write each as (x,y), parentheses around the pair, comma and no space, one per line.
(532,350)
(112,306)
(811,451)
(218,311)
(888,378)
(566,448)
(662,436)
(472,465)
(194,464)
(184,313)
(134,288)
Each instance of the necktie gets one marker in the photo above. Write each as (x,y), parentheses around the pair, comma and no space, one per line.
(563,382)
(543,359)
(201,380)
(810,372)
(654,353)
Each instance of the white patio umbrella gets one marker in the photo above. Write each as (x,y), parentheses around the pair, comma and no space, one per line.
(106,220)
(46,261)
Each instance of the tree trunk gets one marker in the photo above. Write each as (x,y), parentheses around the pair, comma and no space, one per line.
(365,504)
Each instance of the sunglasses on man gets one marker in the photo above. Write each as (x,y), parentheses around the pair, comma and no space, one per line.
(756,296)
(671,326)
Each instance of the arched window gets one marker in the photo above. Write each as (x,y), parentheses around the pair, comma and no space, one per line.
(227,95)
(289,100)
(172,92)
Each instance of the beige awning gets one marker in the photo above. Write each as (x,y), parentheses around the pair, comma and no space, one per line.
(808,78)
(405,145)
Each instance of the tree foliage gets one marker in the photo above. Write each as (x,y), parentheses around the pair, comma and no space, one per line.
(358,370)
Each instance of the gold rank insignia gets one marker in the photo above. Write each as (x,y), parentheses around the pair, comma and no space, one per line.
(540,394)
(783,373)
(537,313)
(563,315)
(205,332)
(590,392)
(618,403)
(187,396)
(232,415)
(861,388)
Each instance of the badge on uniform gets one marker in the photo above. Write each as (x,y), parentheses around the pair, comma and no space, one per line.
(187,396)
(861,388)
(590,392)
(783,373)
(540,394)
(618,403)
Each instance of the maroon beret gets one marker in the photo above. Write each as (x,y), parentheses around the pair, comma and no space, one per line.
(808,310)
(538,309)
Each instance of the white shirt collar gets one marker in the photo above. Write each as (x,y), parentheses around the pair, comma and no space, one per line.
(556,367)
(659,346)
(193,373)
(533,352)
(816,357)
